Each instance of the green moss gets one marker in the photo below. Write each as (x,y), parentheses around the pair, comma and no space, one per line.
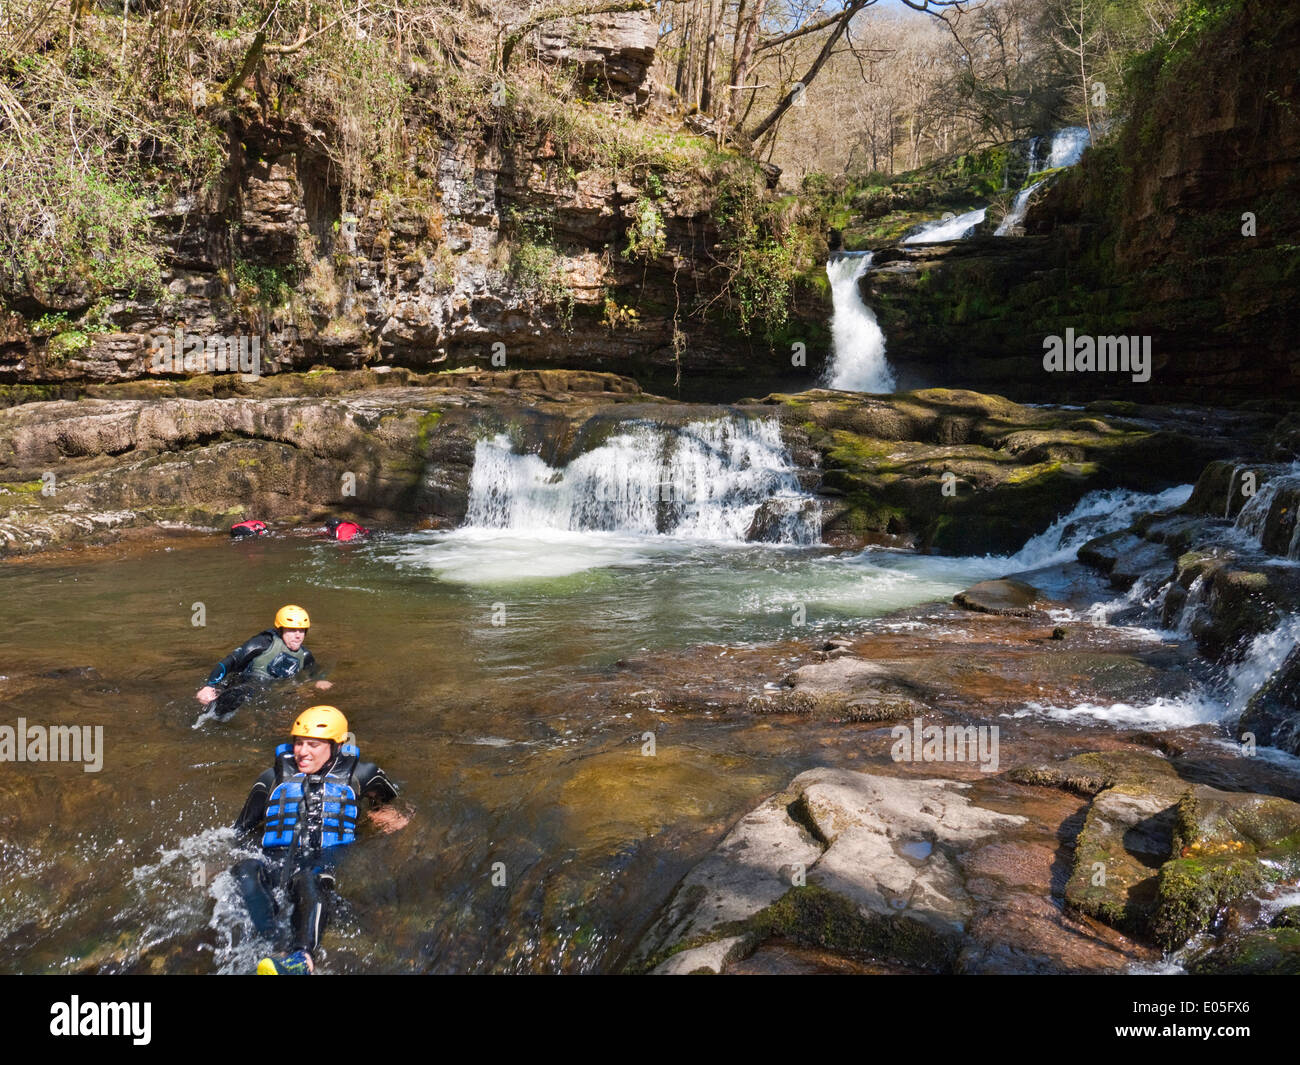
(21,487)
(426,425)
(1191,891)
(1272,952)
(866,514)
(813,916)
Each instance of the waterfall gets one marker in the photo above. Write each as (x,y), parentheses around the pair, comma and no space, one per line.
(1104,511)
(1253,518)
(728,479)
(857,361)
(1018,210)
(1067,148)
(1262,659)
(943,230)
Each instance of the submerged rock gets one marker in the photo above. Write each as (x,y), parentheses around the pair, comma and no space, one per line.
(1007,597)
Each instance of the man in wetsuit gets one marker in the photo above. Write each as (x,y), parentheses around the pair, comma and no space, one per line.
(275,654)
(307,808)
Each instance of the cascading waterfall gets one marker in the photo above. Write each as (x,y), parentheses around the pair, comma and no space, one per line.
(1262,659)
(1253,518)
(1066,148)
(726,479)
(857,361)
(1096,514)
(1019,208)
(1068,145)
(943,230)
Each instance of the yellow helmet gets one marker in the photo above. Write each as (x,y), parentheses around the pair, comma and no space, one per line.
(292,617)
(321,723)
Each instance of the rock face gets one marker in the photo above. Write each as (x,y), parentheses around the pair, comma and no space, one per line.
(951,471)
(873,855)
(504,244)
(80,470)
(613,49)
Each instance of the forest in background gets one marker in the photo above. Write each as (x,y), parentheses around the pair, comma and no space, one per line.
(110,109)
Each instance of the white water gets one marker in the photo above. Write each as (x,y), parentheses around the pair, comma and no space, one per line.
(1068,145)
(1066,149)
(943,230)
(1253,516)
(1019,209)
(1096,514)
(707,480)
(857,361)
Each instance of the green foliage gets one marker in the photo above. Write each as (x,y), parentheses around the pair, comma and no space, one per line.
(267,287)
(646,236)
(759,257)
(361,90)
(535,263)
(81,230)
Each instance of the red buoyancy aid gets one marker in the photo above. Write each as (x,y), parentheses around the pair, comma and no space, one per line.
(345,530)
(248,528)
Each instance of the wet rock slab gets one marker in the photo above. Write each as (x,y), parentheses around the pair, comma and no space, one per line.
(1006,597)
(870,860)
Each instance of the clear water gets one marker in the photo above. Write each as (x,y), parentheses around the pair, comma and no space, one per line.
(474,665)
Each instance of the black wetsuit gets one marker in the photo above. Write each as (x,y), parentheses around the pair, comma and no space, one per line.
(305,867)
(241,682)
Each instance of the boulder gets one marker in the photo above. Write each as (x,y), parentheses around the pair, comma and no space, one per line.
(855,862)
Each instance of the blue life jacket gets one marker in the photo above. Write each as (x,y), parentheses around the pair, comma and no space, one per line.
(338,801)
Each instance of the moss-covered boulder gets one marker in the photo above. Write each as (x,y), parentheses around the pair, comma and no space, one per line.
(1259,952)
(966,473)
(1160,857)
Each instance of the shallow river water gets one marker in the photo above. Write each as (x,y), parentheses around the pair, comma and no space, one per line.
(543,834)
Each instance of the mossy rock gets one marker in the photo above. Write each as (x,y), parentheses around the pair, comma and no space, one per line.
(1287,918)
(1263,952)
(811,916)
(1191,891)
(1094,771)
(1127,835)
